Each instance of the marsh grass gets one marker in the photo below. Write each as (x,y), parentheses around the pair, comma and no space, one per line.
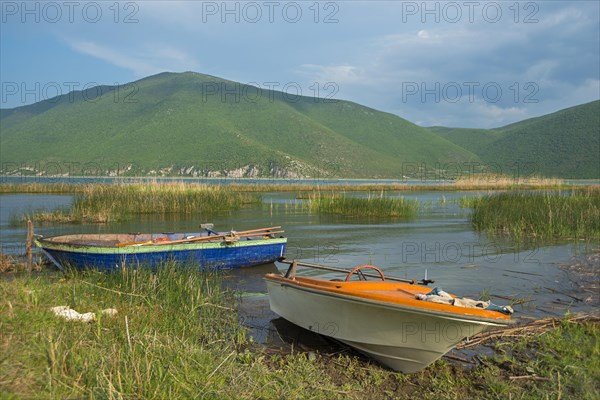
(499,182)
(46,188)
(115,202)
(468,182)
(375,205)
(540,215)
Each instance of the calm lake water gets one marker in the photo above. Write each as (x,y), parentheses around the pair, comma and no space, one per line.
(440,241)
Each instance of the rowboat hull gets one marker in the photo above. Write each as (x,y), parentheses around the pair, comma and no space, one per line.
(206,255)
(402,337)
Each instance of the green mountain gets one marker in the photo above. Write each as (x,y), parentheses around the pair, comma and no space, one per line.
(189,124)
(199,125)
(562,144)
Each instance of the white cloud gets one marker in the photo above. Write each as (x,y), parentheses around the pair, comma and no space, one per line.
(423,34)
(146,60)
(531,63)
(370,63)
(341,74)
(498,116)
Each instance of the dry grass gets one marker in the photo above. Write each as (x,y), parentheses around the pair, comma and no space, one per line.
(531,329)
(489,181)
(10,264)
(471,182)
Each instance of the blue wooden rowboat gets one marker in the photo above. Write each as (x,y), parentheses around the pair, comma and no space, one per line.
(205,250)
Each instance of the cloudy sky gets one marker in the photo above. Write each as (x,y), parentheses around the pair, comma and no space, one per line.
(463,63)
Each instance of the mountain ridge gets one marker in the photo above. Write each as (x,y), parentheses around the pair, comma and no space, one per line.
(565,143)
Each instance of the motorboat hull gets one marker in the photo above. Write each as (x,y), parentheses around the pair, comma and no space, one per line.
(404,338)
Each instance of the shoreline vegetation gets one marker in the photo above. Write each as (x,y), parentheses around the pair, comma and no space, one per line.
(104,202)
(177,334)
(539,216)
(471,182)
(371,206)
(101,203)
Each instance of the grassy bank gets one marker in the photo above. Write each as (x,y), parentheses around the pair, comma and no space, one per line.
(545,216)
(167,338)
(371,206)
(104,202)
(177,335)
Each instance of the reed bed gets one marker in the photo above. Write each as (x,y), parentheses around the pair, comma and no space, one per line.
(46,188)
(105,203)
(545,215)
(470,182)
(372,206)
(491,181)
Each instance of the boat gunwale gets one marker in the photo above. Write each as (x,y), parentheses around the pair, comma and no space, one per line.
(446,311)
(45,243)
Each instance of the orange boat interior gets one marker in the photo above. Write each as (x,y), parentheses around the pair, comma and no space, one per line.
(385,292)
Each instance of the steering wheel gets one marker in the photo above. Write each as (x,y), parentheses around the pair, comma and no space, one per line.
(358,269)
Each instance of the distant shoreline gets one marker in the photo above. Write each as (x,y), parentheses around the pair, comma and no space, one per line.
(287,184)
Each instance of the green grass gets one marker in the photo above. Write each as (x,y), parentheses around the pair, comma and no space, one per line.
(159,345)
(105,202)
(560,363)
(177,335)
(372,206)
(545,215)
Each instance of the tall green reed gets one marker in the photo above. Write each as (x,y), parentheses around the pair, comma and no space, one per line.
(105,203)
(540,215)
(371,206)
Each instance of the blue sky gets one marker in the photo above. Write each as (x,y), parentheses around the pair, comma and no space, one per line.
(464,63)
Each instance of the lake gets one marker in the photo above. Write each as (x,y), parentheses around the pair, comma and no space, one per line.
(440,240)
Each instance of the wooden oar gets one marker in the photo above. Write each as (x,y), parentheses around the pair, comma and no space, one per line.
(260,234)
(133,243)
(248,233)
(346,271)
(257,230)
(224,236)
